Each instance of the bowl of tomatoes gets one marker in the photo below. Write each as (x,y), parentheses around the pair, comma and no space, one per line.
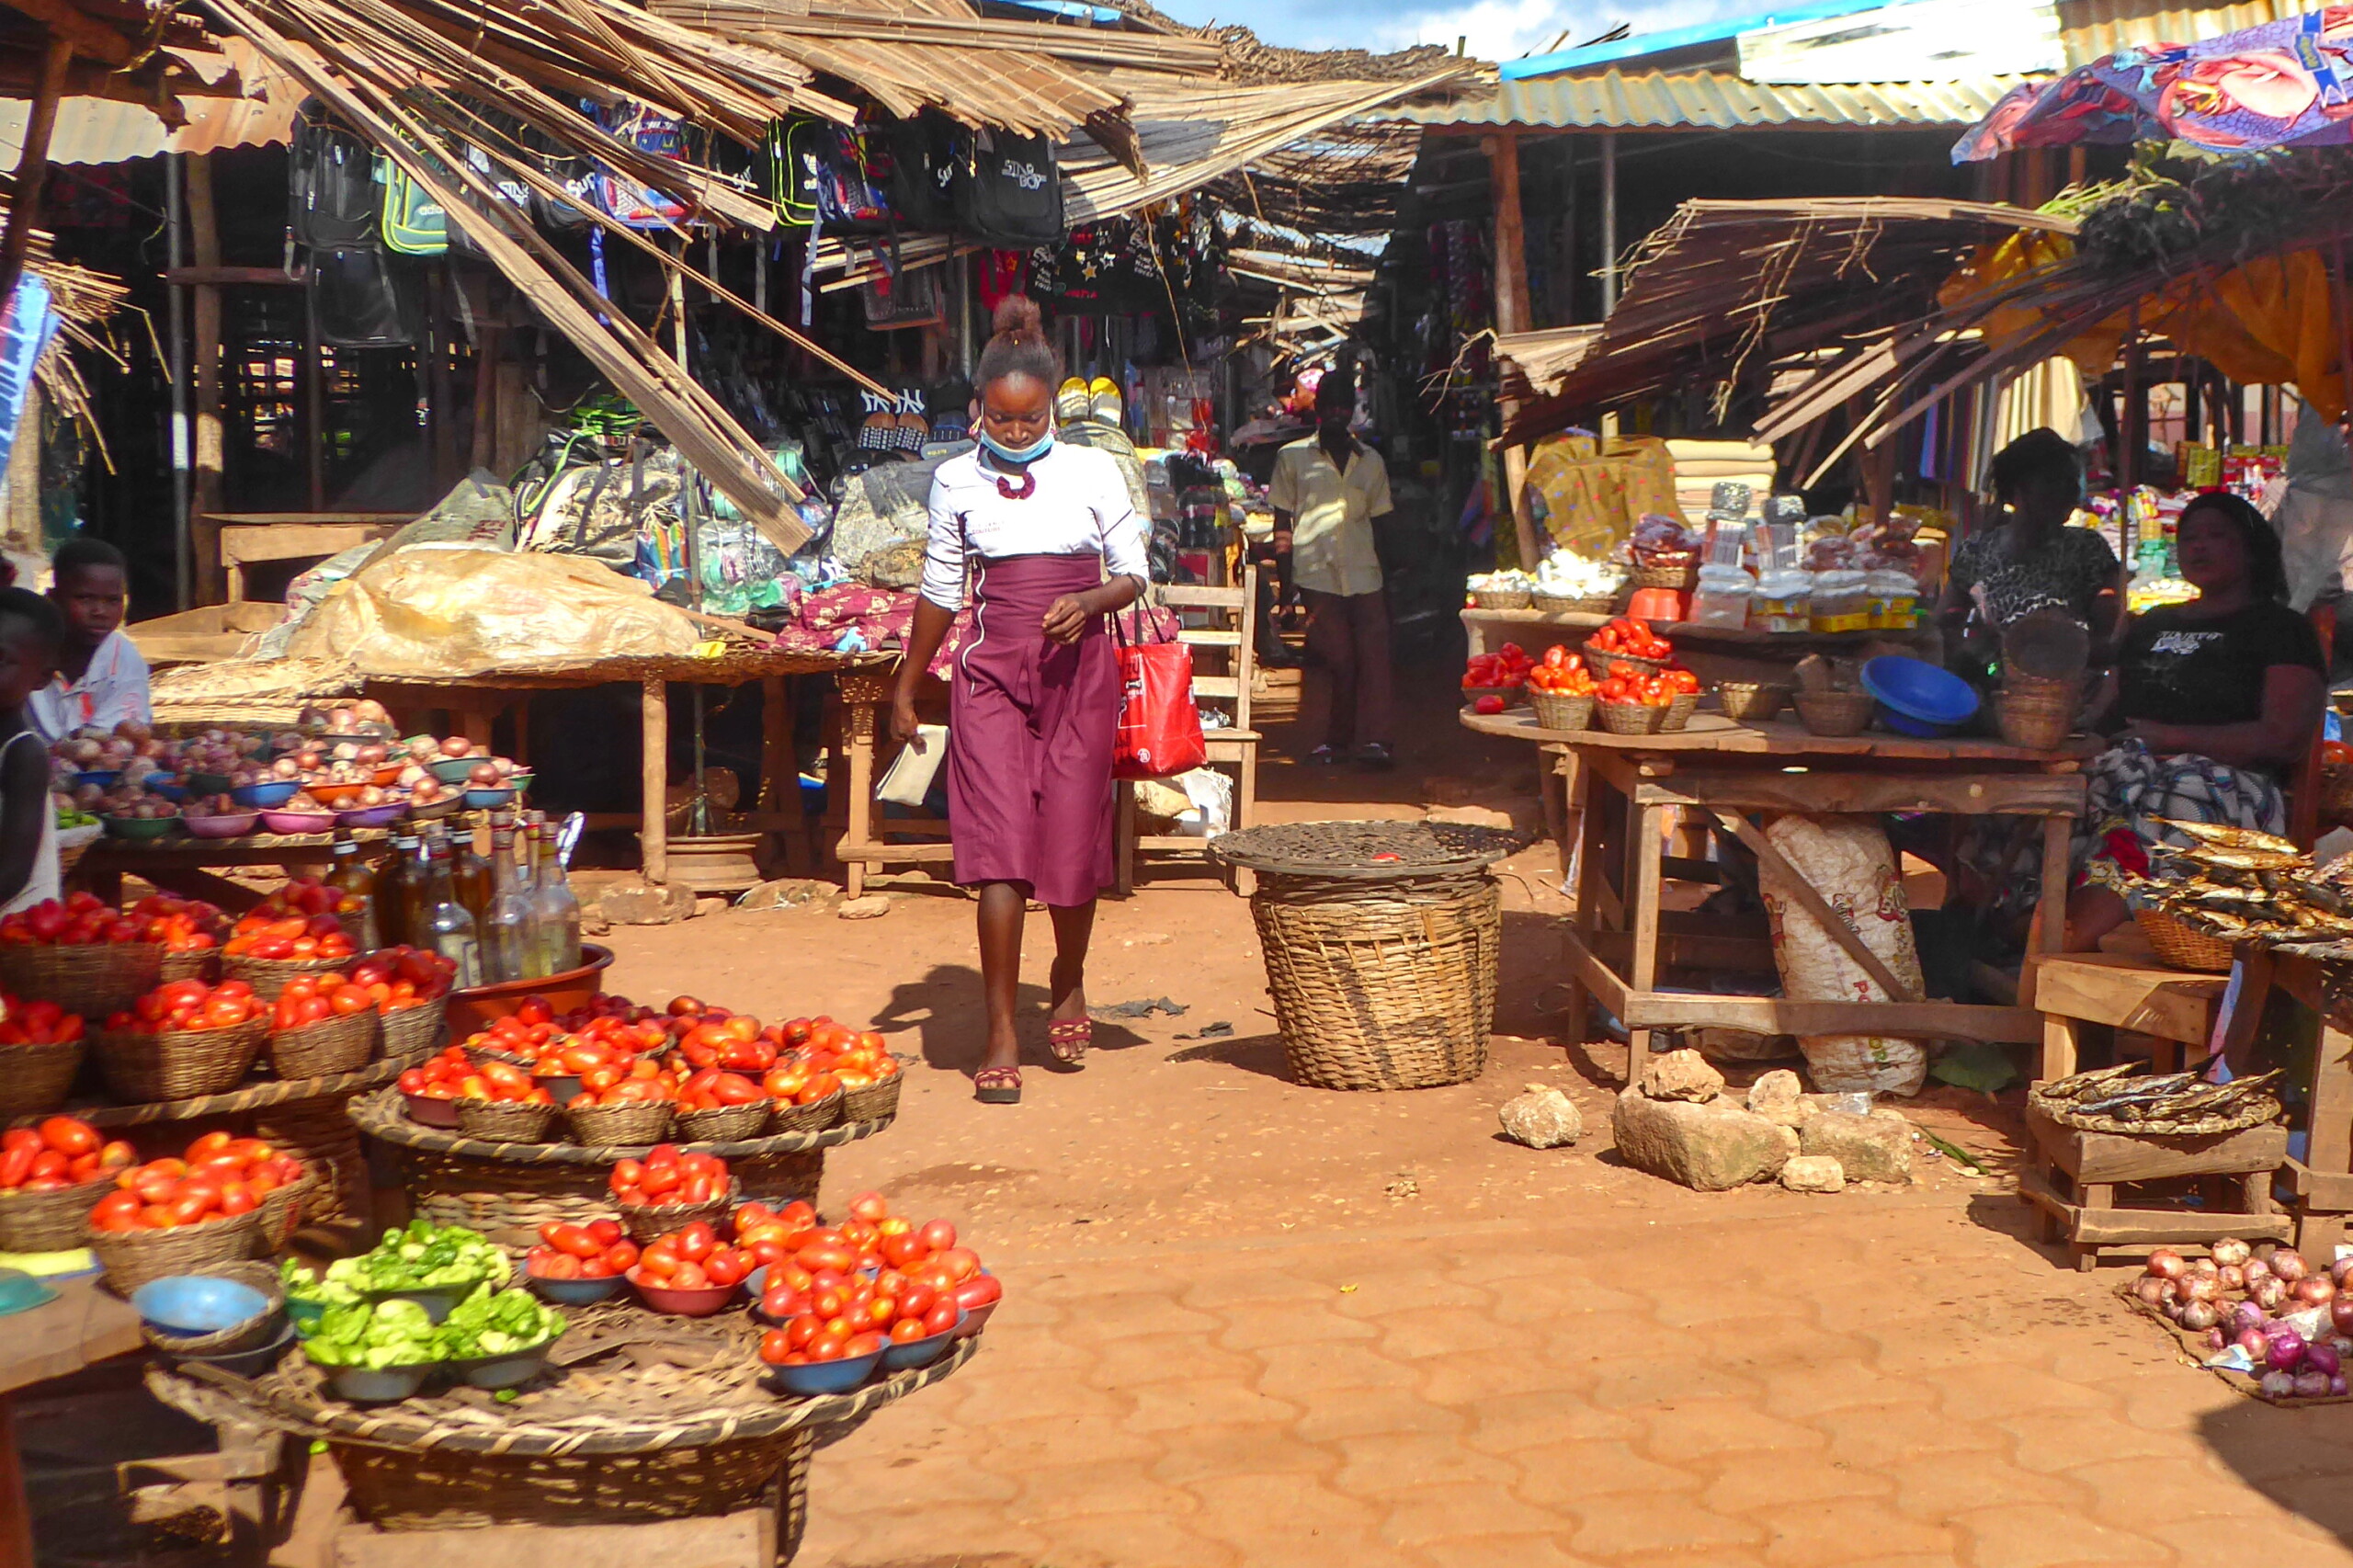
(1628,640)
(578,1265)
(691,1272)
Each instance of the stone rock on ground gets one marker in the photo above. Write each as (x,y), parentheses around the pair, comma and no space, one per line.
(644,903)
(709,906)
(865,908)
(1779,1096)
(1710,1146)
(1814,1173)
(1681,1076)
(1867,1148)
(791,893)
(1541,1116)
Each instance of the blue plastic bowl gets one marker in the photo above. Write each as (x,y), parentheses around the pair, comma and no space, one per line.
(170,789)
(574,1292)
(1915,697)
(453,769)
(104,777)
(824,1377)
(482,799)
(921,1352)
(265,797)
(190,1304)
(248,1363)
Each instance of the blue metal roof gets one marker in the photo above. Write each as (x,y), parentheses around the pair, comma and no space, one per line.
(1682,38)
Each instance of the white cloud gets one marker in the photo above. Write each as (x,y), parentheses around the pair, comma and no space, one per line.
(1496,29)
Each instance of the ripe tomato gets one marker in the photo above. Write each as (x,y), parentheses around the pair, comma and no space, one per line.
(775,1345)
(661,1260)
(725,1267)
(938,1235)
(695,1242)
(689,1277)
(621,1256)
(940,1319)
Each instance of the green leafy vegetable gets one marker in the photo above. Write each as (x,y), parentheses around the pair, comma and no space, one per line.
(498,1323)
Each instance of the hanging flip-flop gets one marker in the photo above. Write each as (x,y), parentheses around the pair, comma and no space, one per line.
(1068,1039)
(998,1086)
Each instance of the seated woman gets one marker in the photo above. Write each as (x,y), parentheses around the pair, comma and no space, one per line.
(2217,699)
(2029,560)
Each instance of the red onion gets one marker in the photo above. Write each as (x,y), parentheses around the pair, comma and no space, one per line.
(2286,1349)
(2278,1385)
(2340,1314)
(2205,1266)
(2254,1268)
(2232,1280)
(2340,1268)
(2315,1291)
(2288,1264)
(2167,1263)
(2199,1316)
(2311,1384)
(2245,1315)
(2254,1342)
(2232,1253)
(2150,1291)
(2324,1357)
(2215,1339)
(2336,1386)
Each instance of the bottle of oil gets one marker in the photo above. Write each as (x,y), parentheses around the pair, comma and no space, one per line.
(450,929)
(349,875)
(391,888)
(555,908)
(471,873)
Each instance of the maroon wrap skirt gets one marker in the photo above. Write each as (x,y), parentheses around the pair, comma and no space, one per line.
(1030,725)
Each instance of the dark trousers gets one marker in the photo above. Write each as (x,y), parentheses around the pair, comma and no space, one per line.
(1349,637)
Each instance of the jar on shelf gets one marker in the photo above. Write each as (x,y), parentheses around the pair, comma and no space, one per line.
(1783,601)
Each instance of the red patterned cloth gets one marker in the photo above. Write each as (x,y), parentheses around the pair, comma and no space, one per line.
(883,617)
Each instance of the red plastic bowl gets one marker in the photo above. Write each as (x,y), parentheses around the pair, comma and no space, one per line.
(702,1304)
(427,1110)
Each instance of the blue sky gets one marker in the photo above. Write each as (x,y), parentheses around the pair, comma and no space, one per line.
(1498,29)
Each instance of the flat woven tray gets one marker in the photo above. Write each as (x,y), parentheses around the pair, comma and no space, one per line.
(622,1381)
(1367,851)
(2261,1111)
(384,1115)
(259,1094)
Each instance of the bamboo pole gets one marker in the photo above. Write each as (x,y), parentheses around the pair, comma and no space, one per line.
(31,177)
(1511,316)
(210,463)
(653,776)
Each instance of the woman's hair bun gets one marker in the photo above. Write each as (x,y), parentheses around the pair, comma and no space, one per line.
(1018,319)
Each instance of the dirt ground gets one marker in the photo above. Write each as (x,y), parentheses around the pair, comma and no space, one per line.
(1253,1323)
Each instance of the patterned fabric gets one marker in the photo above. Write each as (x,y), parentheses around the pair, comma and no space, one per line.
(2067,575)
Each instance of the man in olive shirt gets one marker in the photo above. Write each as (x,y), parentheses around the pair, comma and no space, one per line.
(1325,491)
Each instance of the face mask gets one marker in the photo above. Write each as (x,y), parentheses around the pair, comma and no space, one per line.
(1027,454)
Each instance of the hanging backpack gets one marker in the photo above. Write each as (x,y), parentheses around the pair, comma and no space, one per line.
(926,171)
(820,176)
(792,159)
(515,203)
(1012,198)
(639,206)
(413,222)
(331,194)
(364,299)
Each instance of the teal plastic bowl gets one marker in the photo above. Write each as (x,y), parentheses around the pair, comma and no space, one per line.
(823,1377)
(453,769)
(141,830)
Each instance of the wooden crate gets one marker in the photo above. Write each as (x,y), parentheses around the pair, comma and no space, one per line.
(2096,1163)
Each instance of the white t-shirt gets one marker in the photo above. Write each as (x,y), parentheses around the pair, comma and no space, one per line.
(113,688)
(1080,506)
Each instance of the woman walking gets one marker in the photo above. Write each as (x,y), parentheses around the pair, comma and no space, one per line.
(1051,545)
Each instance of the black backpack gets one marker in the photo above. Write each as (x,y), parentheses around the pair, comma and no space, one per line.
(1012,199)
(332,195)
(364,299)
(926,171)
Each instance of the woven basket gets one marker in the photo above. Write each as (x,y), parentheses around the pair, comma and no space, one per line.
(2182,947)
(283,1211)
(196,963)
(1554,604)
(268,976)
(814,1116)
(34,1078)
(724,1124)
(1556,711)
(91,981)
(411,1489)
(319,1133)
(1629,718)
(249,1335)
(1598,663)
(1752,701)
(179,1064)
(650,1221)
(48,1221)
(1680,712)
(331,1045)
(875,1101)
(1834,713)
(409,1031)
(2040,718)
(506,1121)
(1385,987)
(1502,599)
(626,1125)
(130,1258)
(1682,578)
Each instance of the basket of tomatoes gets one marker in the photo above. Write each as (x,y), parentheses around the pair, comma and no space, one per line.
(1561,689)
(296,930)
(1502,674)
(51,1178)
(40,1050)
(80,952)
(414,998)
(320,1024)
(188,930)
(172,1216)
(500,1103)
(667,1190)
(183,1040)
(1629,642)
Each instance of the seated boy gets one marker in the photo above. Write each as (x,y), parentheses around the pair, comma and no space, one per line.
(101,680)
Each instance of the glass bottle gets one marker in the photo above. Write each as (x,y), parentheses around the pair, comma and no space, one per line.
(449,928)
(392,885)
(469,874)
(349,876)
(510,947)
(557,909)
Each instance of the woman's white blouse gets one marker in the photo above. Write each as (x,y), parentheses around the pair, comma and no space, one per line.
(1080,507)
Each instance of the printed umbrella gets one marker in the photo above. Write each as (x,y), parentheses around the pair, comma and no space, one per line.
(2283,84)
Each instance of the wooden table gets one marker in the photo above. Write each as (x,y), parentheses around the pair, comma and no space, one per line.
(83,1326)
(1713,653)
(1622,791)
(247,537)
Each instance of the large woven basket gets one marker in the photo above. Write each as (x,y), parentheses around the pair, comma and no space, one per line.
(189,963)
(1555,710)
(91,981)
(1556,604)
(1502,599)
(1597,663)
(331,1045)
(178,1065)
(1681,576)
(319,1133)
(1752,701)
(411,1489)
(283,1211)
(2037,718)
(34,1078)
(1631,718)
(408,1031)
(724,1124)
(814,1116)
(1834,713)
(630,1125)
(2182,947)
(268,976)
(507,1121)
(130,1258)
(874,1101)
(650,1221)
(48,1221)
(1680,712)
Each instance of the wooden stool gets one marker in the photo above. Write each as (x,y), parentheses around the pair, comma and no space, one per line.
(2169,1005)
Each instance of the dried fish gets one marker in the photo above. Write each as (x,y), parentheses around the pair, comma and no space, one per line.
(2232,837)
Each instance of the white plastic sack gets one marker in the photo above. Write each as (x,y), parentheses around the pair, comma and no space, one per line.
(1849,863)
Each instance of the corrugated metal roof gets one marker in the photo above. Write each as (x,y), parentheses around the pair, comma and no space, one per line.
(1658,100)
(103,130)
(2090,28)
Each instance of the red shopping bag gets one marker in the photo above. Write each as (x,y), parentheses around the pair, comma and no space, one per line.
(1160,730)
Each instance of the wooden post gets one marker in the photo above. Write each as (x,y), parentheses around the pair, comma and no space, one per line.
(2131,433)
(441,400)
(1511,316)
(32,165)
(479,454)
(315,404)
(654,772)
(204,246)
(1608,222)
(23,530)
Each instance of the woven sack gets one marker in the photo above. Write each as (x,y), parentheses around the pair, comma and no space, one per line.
(1848,859)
